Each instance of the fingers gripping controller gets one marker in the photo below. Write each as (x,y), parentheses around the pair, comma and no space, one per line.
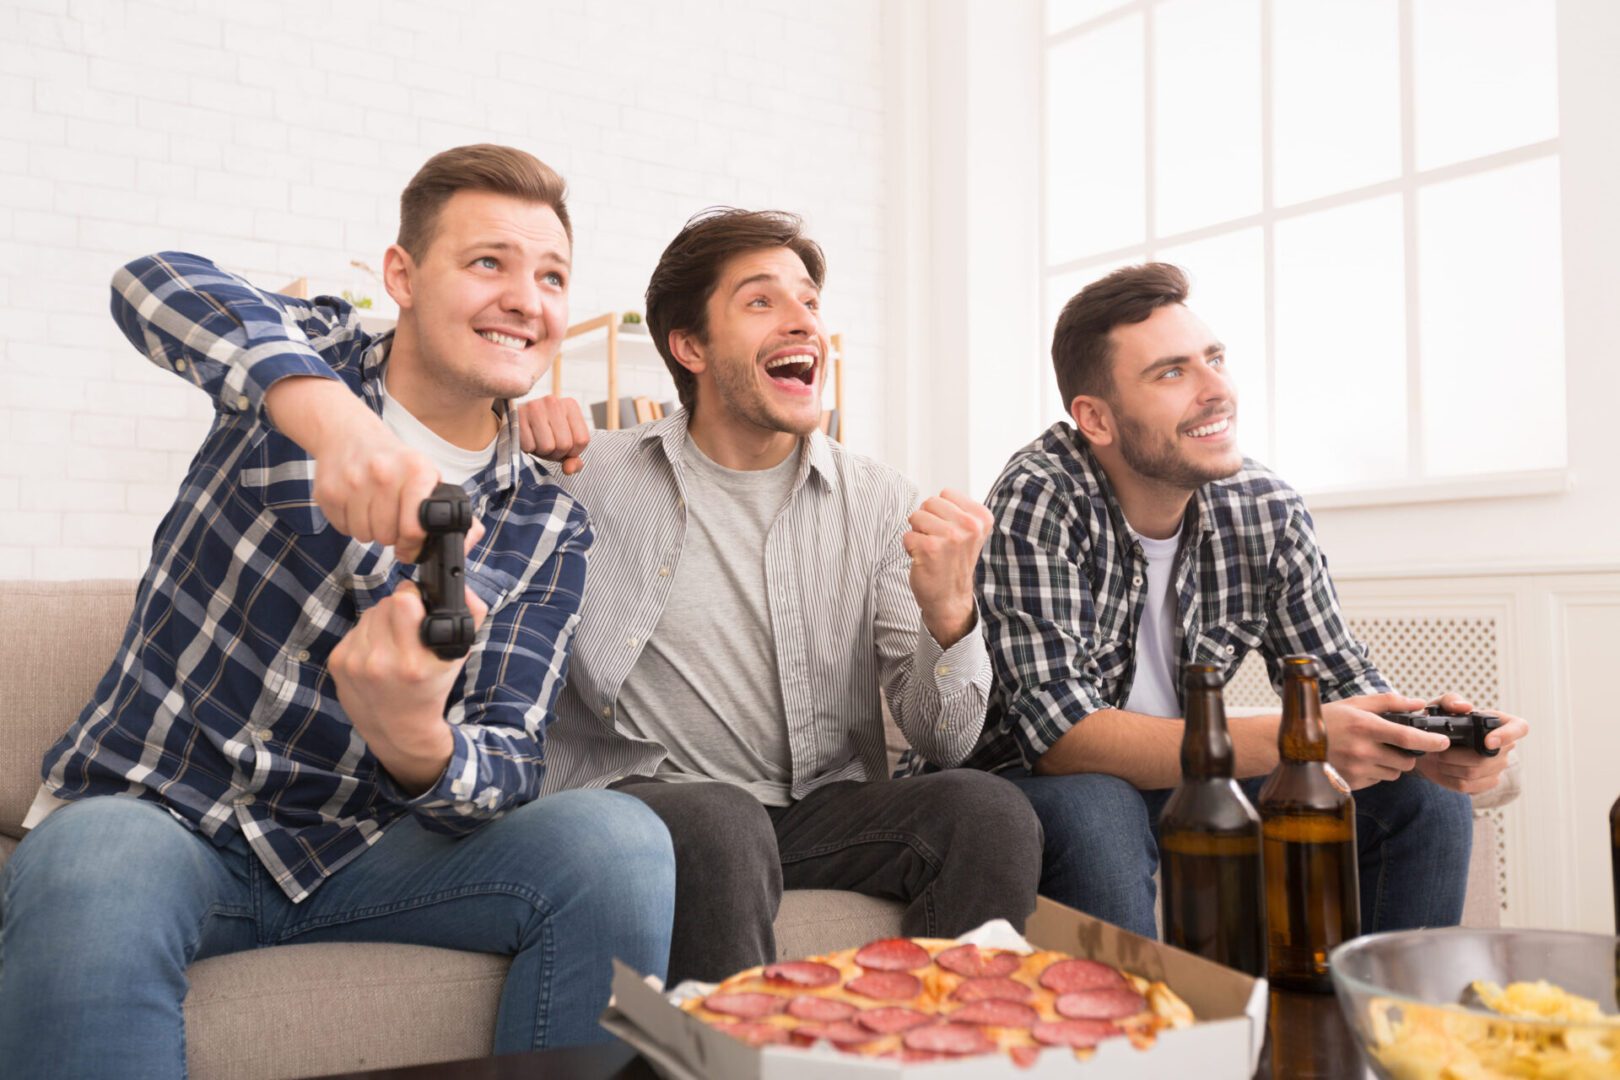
(447,628)
(1463,729)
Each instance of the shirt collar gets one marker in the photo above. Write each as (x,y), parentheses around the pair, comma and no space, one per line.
(670,432)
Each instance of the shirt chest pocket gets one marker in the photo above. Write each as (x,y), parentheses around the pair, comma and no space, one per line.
(1226,644)
(280,477)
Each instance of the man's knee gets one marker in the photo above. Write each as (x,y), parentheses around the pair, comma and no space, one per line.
(1415,806)
(718,828)
(984,811)
(1103,816)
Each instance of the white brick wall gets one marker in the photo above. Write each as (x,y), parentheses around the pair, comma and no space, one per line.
(275,139)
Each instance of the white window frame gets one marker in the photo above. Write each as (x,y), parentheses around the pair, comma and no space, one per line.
(1415,487)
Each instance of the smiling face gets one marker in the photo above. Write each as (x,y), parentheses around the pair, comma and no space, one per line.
(1171,414)
(761,361)
(484,310)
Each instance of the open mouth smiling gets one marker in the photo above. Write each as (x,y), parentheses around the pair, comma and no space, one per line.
(794,367)
(1214,427)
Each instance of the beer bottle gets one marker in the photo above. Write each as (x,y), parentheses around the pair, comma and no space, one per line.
(1212,887)
(1308,820)
(1614,854)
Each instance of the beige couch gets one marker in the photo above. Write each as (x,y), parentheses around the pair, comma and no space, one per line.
(303,1010)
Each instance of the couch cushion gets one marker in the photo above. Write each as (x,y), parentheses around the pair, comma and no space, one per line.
(303,1010)
(59,638)
(815,921)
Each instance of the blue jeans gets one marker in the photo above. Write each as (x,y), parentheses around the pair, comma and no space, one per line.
(1102,849)
(106,903)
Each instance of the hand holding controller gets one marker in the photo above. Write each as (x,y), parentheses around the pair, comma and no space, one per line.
(448,628)
(1463,729)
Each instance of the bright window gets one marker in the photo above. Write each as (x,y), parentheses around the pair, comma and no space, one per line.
(1365,193)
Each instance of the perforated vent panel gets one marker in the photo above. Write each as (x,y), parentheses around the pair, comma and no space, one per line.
(1421,656)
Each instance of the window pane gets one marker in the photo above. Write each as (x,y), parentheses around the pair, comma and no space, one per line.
(1229,293)
(1094,142)
(1486,77)
(1341,346)
(1336,96)
(1062,14)
(1491,307)
(1207,112)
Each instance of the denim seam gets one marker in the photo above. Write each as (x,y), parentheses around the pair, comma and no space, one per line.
(529,896)
(908,839)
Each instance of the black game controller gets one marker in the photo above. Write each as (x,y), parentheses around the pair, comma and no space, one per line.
(448,627)
(1463,729)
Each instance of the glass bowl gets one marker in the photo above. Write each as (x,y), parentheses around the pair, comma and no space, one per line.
(1404,996)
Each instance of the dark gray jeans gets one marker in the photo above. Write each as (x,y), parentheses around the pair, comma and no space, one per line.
(956,847)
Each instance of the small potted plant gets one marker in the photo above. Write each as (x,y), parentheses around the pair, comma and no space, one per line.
(630,323)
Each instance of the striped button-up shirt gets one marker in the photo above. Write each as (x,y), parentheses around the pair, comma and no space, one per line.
(218,705)
(843,617)
(1062,584)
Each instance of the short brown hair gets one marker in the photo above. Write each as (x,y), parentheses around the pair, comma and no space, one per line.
(689,271)
(1082,355)
(480,167)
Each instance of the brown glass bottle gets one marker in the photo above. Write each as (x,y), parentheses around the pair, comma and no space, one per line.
(1308,819)
(1211,883)
(1614,855)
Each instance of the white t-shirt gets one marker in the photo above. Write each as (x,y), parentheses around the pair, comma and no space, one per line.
(455,464)
(1153,691)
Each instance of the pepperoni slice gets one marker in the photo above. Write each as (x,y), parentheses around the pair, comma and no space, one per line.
(826,1010)
(970,962)
(997,1013)
(1109,1003)
(839,1033)
(756,1032)
(893,954)
(885,985)
(948,1039)
(987,988)
(805,973)
(890,1019)
(1080,1034)
(1067,976)
(748,1005)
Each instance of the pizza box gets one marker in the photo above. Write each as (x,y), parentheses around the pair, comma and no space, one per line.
(1224,1043)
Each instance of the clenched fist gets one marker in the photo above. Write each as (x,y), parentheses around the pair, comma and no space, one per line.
(947,533)
(552,427)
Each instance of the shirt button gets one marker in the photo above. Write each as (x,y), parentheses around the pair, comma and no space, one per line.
(180,364)
(942,670)
(1137,580)
(241,401)
(244,800)
(1230,649)
(630,641)
(302,656)
(663,571)
(607,711)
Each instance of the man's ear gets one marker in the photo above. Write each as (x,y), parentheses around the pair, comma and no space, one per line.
(1094,419)
(398,271)
(688,351)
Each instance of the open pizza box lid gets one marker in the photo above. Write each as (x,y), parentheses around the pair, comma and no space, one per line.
(1226,1041)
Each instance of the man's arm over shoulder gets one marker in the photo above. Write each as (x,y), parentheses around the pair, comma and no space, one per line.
(214,329)
(936,695)
(508,689)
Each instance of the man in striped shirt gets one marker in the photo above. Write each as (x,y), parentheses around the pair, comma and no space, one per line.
(274,756)
(754,589)
(1138,539)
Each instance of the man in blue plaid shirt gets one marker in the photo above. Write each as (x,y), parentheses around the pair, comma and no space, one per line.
(274,756)
(1137,539)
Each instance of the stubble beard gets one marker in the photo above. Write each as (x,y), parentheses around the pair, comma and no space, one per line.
(743,398)
(1162,461)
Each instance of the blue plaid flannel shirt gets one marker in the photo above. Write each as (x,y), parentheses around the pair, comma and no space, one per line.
(218,705)
(1062,584)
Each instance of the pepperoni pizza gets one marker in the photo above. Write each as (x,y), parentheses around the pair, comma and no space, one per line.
(927,999)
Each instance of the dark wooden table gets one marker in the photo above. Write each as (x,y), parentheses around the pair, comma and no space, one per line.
(1307,1039)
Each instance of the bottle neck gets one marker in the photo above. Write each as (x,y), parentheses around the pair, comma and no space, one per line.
(1302,737)
(1206,745)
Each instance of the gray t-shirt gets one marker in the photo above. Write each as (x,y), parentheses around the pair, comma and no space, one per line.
(705,685)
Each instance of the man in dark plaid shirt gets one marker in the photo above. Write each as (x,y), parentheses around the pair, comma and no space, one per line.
(274,756)
(1138,539)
